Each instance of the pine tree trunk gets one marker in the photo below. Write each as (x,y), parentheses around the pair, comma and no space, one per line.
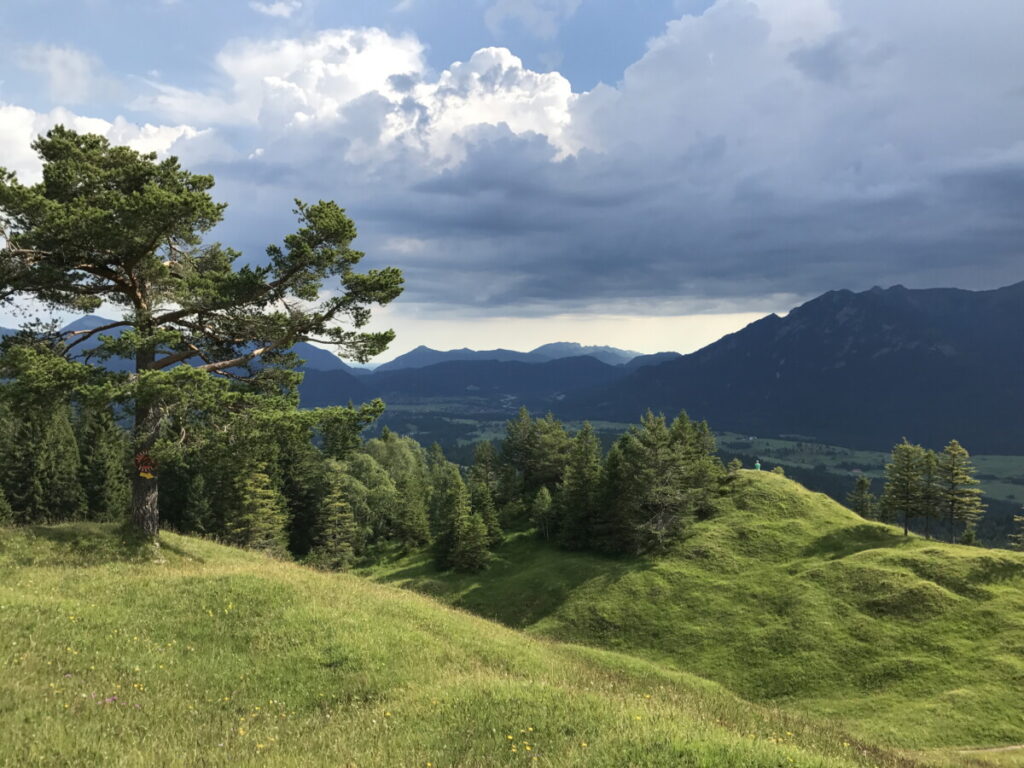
(145,509)
(145,512)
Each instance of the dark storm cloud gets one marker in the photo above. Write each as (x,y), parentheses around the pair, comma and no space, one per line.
(759,149)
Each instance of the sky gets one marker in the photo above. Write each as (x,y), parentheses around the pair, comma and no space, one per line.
(650,174)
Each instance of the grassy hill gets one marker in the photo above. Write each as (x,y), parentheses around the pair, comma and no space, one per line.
(790,598)
(220,657)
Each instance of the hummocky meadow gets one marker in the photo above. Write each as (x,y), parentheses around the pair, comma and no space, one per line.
(785,632)
(196,571)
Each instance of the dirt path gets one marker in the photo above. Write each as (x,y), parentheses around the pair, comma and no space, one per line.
(990,749)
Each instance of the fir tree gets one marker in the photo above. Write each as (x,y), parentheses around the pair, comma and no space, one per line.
(482,503)
(901,497)
(103,451)
(470,552)
(579,494)
(452,504)
(259,521)
(337,539)
(958,494)
(861,500)
(929,500)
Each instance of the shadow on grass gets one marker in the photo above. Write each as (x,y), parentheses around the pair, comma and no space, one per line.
(850,541)
(87,544)
(526,581)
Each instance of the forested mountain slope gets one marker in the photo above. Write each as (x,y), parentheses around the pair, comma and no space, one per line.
(857,369)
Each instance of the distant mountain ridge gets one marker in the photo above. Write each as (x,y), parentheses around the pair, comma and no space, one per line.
(857,369)
(316,359)
(423,356)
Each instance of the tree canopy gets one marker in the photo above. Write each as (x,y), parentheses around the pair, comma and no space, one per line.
(108,225)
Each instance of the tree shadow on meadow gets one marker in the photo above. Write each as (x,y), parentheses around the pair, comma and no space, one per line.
(81,545)
(525,582)
(850,541)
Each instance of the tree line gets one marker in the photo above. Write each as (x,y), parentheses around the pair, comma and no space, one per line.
(937,490)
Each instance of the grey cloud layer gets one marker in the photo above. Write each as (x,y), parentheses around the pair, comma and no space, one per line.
(765,147)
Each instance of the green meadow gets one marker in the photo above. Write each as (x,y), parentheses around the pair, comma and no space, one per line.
(785,632)
(787,598)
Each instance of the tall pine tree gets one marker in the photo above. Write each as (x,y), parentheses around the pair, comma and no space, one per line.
(901,497)
(958,494)
(579,494)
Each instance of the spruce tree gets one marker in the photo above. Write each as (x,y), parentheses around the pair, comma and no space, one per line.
(648,489)
(103,450)
(958,494)
(470,552)
(861,500)
(901,497)
(703,472)
(485,465)
(43,477)
(482,503)
(579,494)
(337,538)
(259,520)
(452,504)
(199,505)
(929,501)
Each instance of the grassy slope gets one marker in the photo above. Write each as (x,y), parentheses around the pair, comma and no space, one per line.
(220,657)
(789,597)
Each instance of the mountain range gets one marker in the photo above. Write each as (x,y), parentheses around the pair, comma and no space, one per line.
(422,356)
(855,369)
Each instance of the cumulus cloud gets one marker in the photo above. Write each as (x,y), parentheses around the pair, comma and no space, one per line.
(19,127)
(374,90)
(282,9)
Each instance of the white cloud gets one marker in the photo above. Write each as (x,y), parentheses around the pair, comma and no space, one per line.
(539,17)
(282,9)
(71,75)
(19,127)
(373,90)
